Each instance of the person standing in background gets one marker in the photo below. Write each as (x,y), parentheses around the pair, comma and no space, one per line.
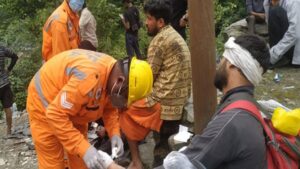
(88,27)
(6,94)
(61,30)
(131,22)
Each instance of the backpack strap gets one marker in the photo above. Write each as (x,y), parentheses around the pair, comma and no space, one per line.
(254,111)
(245,105)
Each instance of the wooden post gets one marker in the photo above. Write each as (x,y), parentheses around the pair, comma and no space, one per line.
(202,43)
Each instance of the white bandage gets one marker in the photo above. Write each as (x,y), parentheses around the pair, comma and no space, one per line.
(242,59)
(106,159)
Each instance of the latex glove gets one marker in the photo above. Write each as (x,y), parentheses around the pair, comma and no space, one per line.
(107,160)
(93,159)
(117,145)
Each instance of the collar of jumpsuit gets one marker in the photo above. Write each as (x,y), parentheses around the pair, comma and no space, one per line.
(67,8)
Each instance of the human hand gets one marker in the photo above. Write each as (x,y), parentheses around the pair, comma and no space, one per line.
(107,160)
(93,159)
(183,21)
(117,148)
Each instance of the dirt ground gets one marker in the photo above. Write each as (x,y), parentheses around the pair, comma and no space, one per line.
(18,152)
(286,91)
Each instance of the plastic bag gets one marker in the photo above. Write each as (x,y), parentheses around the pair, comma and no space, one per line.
(286,122)
(177,160)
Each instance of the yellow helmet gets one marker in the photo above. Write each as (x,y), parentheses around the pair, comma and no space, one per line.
(140,80)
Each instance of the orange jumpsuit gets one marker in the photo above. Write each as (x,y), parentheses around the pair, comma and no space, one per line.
(60,32)
(64,95)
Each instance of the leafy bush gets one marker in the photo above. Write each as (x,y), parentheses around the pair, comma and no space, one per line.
(227,12)
(22,22)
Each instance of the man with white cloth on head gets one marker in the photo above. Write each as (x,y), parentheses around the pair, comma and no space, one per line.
(225,143)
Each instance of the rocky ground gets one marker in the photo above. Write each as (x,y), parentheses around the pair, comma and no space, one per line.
(18,152)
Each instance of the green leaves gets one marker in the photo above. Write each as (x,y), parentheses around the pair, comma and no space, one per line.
(22,22)
(226,13)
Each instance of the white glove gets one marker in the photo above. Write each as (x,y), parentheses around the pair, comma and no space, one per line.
(107,160)
(93,159)
(117,146)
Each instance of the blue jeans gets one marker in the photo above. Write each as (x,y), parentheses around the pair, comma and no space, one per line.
(132,45)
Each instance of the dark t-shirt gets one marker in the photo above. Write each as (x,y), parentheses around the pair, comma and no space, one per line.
(179,8)
(255,6)
(132,16)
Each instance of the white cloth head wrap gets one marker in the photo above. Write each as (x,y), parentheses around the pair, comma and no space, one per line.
(242,59)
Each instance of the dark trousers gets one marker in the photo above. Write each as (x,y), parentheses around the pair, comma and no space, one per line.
(132,45)
(6,96)
(162,149)
(278,25)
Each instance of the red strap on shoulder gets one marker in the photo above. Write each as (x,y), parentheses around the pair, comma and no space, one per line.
(246,105)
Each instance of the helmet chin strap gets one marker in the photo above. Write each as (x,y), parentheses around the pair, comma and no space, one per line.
(125,63)
(112,89)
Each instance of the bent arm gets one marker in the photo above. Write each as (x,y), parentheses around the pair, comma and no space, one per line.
(290,37)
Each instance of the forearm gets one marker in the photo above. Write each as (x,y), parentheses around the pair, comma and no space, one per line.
(115,166)
(111,120)
(260,15)
(74,142)
(126,24)
(281,48)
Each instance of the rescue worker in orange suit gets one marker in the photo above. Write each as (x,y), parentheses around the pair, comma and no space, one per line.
(76,87)
(61,30)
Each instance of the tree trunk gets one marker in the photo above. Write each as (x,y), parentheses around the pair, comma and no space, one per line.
(202,43)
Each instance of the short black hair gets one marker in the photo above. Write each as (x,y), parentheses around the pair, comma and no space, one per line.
(257,48)
(159,9)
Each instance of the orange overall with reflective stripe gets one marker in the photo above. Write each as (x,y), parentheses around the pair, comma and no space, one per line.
(64,95)
(60,32)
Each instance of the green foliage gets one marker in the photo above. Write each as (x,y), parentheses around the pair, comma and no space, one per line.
(227,12)
(22,74)
(110,30)
(22,22)
(21,30)
(108,26)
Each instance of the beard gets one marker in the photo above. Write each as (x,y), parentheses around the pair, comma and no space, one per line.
(152,32)
(221,78)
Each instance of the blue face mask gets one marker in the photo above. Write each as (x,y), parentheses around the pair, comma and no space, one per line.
(76,5)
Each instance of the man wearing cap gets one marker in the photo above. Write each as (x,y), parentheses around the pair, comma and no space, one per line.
(75,88)
(234,138)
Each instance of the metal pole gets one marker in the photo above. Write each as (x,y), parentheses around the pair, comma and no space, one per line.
(202,43)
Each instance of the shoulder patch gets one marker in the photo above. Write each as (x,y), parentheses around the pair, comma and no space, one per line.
(63,101)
